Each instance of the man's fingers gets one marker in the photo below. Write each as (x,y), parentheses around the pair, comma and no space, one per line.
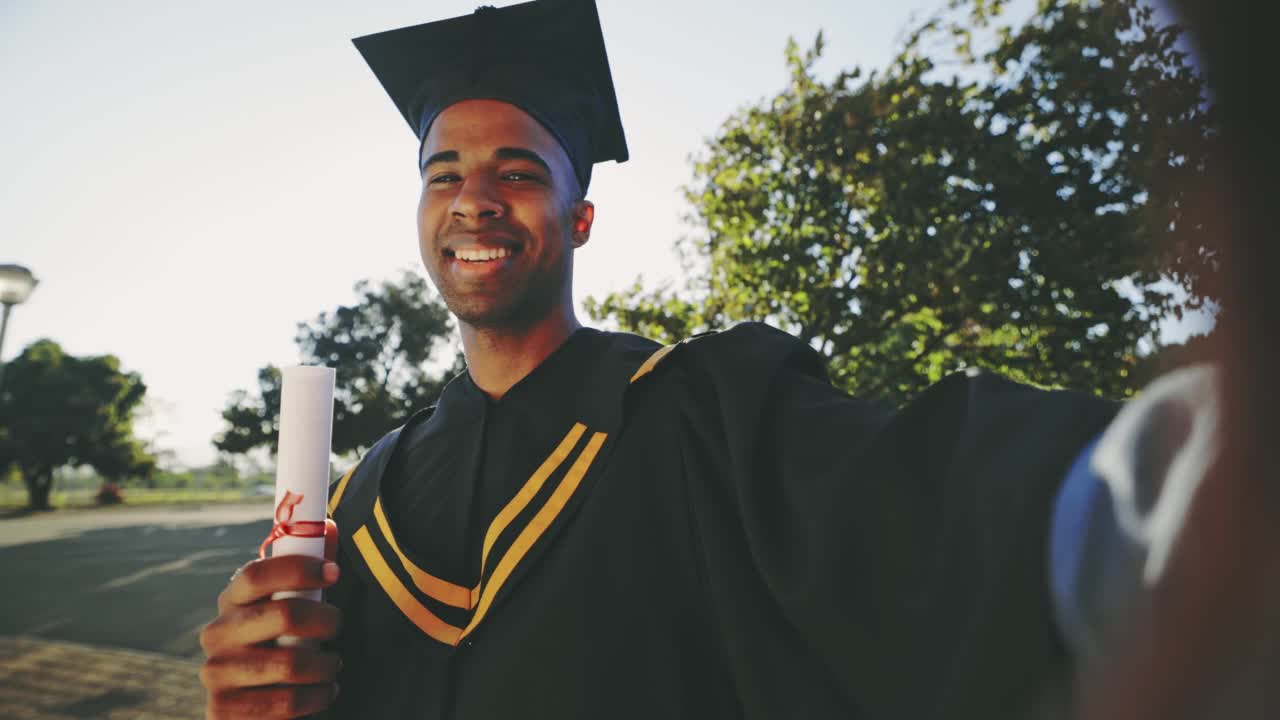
(245,674)
(258,666)
(281,701)
(248,625)
(260,578)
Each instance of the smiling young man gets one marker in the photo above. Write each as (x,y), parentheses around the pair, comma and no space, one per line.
(588,525)
(500,215)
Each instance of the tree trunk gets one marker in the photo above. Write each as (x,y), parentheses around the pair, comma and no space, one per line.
(39,485)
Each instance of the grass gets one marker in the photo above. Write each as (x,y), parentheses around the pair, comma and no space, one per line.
(12,498)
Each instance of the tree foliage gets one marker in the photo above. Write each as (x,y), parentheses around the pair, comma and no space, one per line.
(381,349)
(1015,208)
(58,409)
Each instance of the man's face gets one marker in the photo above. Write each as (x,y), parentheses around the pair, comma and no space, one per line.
(496,220)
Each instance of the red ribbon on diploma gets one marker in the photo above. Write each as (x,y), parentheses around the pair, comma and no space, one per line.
(286,526)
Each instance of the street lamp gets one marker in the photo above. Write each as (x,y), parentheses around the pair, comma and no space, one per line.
(16,284)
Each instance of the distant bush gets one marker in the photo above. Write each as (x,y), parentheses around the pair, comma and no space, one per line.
(109,494)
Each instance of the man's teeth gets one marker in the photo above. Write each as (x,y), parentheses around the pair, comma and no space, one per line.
(481,254)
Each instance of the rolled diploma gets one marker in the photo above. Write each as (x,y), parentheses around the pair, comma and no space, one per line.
(302,461)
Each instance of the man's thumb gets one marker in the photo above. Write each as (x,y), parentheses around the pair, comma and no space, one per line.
(330,540)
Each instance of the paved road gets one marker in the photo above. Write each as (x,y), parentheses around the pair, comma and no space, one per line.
(100,610)
(143,579)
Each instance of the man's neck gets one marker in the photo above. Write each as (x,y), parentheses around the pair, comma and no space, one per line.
(497,359)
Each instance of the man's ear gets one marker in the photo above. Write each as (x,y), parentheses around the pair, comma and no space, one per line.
(584,215)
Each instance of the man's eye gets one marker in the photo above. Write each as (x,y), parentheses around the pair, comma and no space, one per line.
(443,178)
(521,176)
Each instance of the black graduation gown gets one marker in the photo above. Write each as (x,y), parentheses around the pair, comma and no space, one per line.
(712,531)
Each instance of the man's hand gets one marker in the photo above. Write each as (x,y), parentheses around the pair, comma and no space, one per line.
(246,674)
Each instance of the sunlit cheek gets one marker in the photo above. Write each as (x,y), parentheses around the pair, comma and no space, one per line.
(422,210)
(430,210)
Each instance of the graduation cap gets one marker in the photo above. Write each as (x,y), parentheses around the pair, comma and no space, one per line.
(546,57)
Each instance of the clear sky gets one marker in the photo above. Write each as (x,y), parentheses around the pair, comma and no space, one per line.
(190,180)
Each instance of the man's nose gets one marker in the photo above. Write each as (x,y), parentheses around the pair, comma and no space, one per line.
(477,199)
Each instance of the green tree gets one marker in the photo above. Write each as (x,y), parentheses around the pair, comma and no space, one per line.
(1019,209)
(57,410)
(381,348)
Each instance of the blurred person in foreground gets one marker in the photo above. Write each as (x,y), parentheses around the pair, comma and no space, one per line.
(589,525)
(1203,638)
